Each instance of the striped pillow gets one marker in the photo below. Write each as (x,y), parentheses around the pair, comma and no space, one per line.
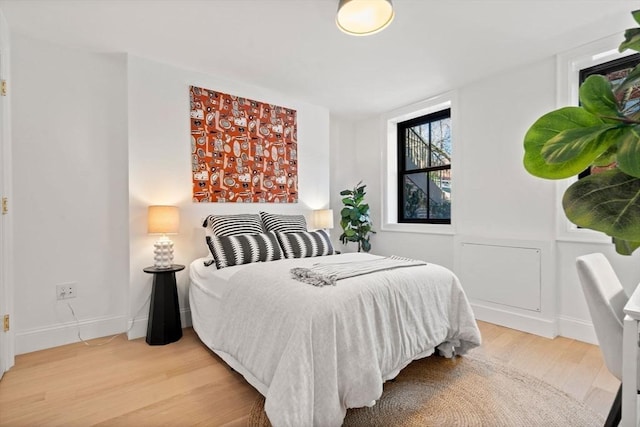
(304,244)
(244,249)
(283,223)
(232,225)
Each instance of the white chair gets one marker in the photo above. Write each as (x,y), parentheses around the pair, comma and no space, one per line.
(606,299)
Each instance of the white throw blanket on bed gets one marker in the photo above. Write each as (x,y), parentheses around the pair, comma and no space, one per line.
(316,351)
(323,274)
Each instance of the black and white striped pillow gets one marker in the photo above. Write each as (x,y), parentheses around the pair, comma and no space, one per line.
(232,225)
(304,244)
(244,249)
(283,223)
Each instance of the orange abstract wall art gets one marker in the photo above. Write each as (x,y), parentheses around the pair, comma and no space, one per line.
(242,150)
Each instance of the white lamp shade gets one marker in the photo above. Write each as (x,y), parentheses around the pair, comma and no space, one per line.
(323,218)
(364,17)
(163,220)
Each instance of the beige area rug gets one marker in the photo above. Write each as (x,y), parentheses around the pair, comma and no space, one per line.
(464,391)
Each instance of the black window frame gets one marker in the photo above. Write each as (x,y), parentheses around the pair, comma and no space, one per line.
(402,171)
(603,69)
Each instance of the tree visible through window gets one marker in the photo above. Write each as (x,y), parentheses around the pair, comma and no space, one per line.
(424,169)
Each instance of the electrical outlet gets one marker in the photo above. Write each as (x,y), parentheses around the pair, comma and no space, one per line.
(66,291)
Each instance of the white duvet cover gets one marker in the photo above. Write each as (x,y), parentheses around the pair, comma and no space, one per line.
(314,351)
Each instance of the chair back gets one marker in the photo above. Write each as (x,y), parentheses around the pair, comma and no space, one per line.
(606,299)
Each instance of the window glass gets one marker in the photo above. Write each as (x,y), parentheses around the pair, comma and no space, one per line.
(424,169)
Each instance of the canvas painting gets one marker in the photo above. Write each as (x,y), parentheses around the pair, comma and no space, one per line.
(243,151)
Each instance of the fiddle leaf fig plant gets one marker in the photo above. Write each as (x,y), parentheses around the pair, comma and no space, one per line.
(354,218)
(604,132)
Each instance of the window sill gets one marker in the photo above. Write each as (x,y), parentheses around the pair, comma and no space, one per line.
(445,229)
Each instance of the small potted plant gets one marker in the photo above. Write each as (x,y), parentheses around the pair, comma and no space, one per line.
(354,218)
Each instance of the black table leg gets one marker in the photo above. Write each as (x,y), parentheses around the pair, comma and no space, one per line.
(164,325)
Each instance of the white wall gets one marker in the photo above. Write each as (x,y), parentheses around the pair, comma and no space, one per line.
(70,202)
(495,198)
(160,166)
(97,138)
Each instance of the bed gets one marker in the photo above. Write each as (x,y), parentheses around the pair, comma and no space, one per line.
(315,351)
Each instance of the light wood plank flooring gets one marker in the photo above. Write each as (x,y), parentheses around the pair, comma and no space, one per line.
(131,383)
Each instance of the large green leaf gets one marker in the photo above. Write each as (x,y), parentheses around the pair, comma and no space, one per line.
(628,154)
(349,232)
(364,209)
(348,201)
(580,146)
(597,97)
(625,247)
(631,39)
(345,212)
(608,202)
(546,128)
(607,157)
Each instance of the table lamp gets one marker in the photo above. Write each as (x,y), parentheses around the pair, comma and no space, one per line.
(323,219)
(163,220)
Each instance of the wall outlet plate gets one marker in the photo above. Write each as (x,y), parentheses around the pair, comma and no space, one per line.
(66,291)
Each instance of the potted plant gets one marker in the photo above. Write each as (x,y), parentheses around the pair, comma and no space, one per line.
(604,133)
(354,218)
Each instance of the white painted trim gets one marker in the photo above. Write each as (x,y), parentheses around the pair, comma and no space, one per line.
(563,326)
(138,328)
(577,329)
(67,333)
(541,323)
(568,69)
(388,151)
(6,251)
(523,322)
(419,228)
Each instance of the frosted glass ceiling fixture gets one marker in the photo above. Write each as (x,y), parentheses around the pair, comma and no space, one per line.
(364,17)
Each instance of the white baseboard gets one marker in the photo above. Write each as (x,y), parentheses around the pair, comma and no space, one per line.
(520,321)
(67,333)
(564,326)
(139,328)
(577,329)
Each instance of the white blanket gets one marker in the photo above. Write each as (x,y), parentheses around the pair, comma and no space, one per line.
(328,273)
(321,350)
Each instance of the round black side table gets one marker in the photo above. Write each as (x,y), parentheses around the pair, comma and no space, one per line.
(164,325)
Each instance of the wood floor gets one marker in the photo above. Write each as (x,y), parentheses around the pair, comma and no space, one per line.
(128,383)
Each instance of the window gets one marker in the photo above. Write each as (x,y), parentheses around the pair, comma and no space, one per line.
(587,59)
(424,169)
(615,71)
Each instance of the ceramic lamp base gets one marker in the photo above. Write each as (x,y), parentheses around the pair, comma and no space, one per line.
(163,253)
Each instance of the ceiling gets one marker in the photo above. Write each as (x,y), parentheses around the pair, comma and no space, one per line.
(294,46)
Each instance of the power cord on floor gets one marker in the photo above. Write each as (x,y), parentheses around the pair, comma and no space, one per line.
(133,321)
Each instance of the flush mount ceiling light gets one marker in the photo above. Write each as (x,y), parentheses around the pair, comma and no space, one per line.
(364,17)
